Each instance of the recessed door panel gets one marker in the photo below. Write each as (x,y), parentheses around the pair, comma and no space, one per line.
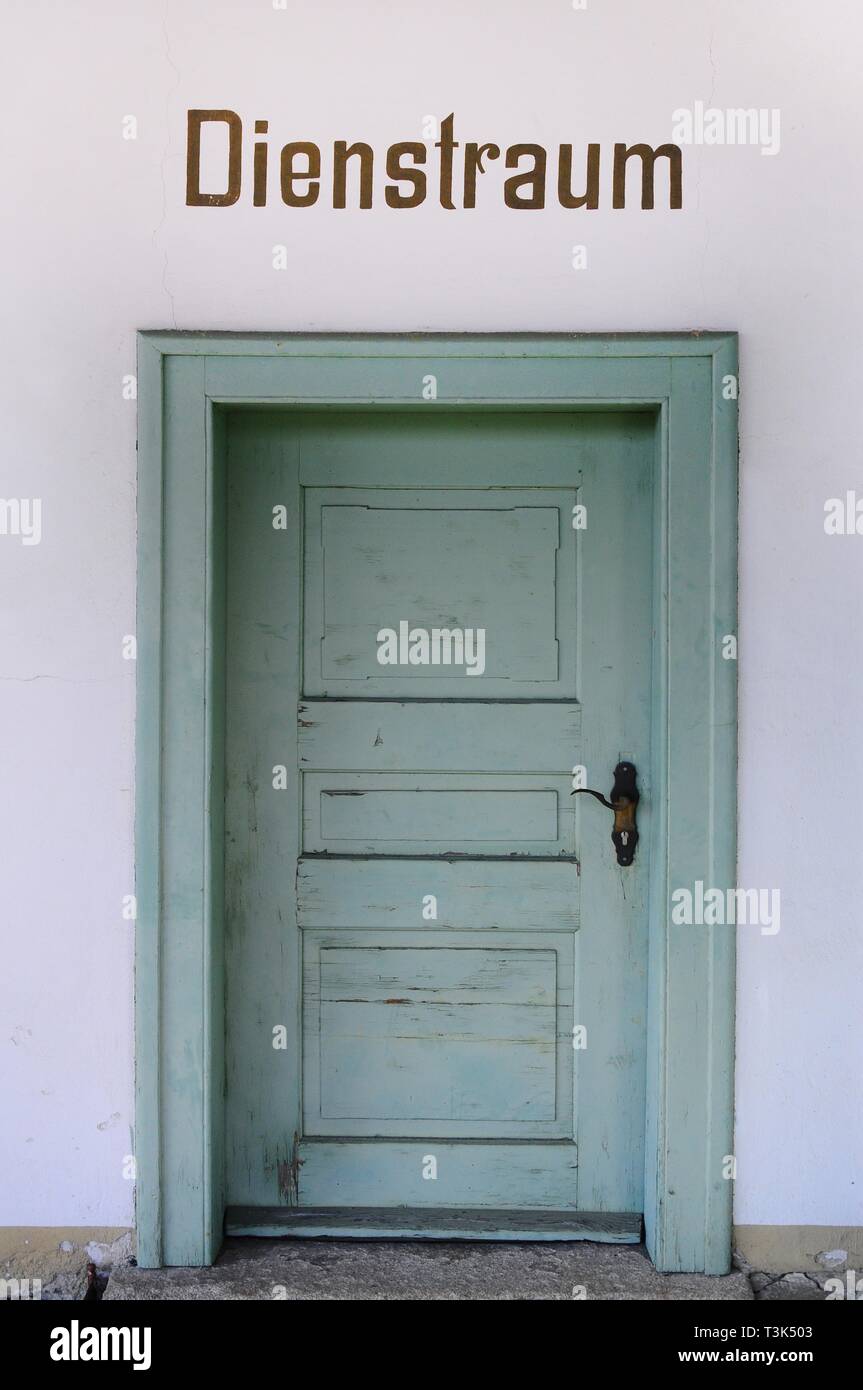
(434,813)
(480,579)
(437,1037)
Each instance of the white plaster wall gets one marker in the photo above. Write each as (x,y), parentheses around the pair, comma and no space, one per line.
(97,243)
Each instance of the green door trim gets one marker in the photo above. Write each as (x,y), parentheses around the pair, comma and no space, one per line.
(690,380)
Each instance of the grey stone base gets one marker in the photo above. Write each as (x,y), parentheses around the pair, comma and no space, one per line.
(790,1288)
(455,1270)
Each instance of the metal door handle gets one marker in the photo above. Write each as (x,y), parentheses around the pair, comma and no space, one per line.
(624,802)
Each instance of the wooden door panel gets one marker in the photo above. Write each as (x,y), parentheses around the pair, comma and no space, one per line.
(441,1036)
(387,1173)
(463,894)
(456,736)
(446,562)
(437,814)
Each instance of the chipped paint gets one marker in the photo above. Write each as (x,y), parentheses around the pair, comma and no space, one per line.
(288,1172)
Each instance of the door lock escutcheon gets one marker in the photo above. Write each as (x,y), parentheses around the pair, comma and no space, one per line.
(624,803)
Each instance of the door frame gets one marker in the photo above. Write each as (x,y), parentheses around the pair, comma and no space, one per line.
(184,380)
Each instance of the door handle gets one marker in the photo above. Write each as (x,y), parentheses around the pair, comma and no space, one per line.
(624,803)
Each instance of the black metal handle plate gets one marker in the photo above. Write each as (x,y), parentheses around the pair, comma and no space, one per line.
(624,803)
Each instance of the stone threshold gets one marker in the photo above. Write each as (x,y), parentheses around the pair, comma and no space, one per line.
(360,1270)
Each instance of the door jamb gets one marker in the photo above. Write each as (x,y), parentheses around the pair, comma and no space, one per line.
(183,379)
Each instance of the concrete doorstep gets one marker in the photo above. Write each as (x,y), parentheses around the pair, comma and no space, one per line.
(345,1270)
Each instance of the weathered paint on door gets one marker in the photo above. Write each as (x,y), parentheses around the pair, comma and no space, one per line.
(435,967)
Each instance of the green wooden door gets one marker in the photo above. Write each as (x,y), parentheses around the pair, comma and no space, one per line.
(435,967)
